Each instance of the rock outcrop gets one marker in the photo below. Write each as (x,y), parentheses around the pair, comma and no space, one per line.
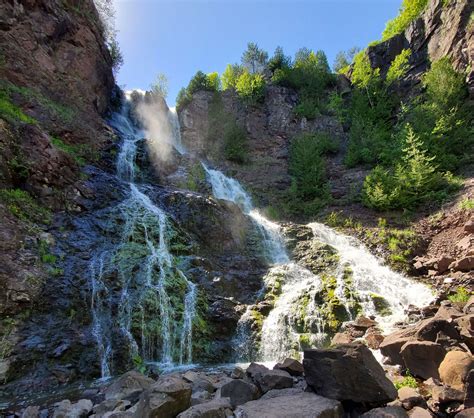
(338,373)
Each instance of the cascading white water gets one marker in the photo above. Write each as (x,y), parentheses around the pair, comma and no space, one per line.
(226,188)
(146,272)
(371,277)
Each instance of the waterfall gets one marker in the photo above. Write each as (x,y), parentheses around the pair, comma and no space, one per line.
(144,270)
(226,188)
(371,277)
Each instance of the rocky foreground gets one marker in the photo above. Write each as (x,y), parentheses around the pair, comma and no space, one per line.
(434,356)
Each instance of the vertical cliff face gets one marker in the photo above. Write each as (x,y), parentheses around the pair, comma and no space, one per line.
(57,47)
(55,84)
(268,127)
(445,29)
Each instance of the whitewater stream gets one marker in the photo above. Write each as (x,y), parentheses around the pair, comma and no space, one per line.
(145,265)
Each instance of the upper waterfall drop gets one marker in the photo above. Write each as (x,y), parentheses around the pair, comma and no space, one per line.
(226,188)
(144,270)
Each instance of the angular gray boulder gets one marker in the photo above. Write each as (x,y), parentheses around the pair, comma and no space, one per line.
(302,405)
(169,396)
(218,408)
(239,392)
(387,412)
(348,372)
(129,384)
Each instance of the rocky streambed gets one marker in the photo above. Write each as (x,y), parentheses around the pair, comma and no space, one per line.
(427,371)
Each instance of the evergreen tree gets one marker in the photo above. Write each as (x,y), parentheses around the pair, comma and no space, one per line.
(254,59)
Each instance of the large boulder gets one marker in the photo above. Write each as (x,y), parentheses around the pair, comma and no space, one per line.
(301,405)
(455,368)
(292,366)
(128,385)
(409,397)
(465,325)
(386,412)
(348,373)
(469,398)
(274,379)
(66,409)
(218,408)
(239,392)
(169,396)
(423,358)
(392,344)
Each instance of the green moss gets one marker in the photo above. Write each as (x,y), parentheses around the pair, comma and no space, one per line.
(77,152)
(196,178)
(381,305)
(65,113)
(23,206)
(304,341)
(11,112)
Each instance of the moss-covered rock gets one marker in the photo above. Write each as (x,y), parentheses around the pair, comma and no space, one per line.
(381,305)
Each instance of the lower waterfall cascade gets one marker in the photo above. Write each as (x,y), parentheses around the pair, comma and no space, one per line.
(156,330)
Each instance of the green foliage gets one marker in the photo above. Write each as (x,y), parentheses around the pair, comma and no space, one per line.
(254,59)
(65,113)
(230,76)
(10,111)
(214,81)
(398,67)
(183,98)
(139,364)
(462,295)
(199,82)
(443,118)
(78,152)
(407,381)
(414,180)
(250,87)
(46,256)
(410,10)
(344,59)
(116,55)
(23,206)
(310,75)
(363,75)
(235,143)
(160,86)
(279,61)
(467,204)
(307,167)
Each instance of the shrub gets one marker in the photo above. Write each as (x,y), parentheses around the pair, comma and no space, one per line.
(442,117)
(409,11)
(408,381)
(199,82)
(344,59)
(398,67)
(235,143)
(414,180)
(310,75)
(250,87)
(183,98)
(461,295)
(467,204)
(160,86)
(230,76)
(10,111)
(308,170)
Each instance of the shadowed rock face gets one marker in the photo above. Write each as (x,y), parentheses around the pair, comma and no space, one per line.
(338,372)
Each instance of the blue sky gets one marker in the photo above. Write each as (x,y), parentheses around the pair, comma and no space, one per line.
(179,37)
